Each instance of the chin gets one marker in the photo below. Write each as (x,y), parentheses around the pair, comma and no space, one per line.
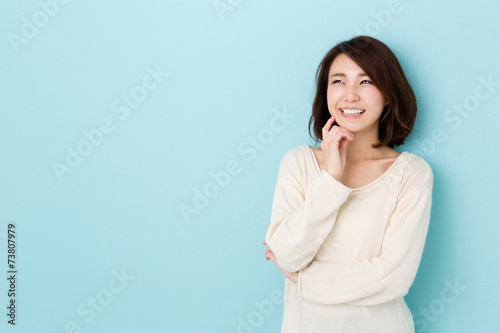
(347,125)
(350,127)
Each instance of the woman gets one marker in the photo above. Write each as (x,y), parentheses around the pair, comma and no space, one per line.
(349,218)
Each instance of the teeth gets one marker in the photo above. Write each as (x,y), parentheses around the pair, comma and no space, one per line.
(352,111)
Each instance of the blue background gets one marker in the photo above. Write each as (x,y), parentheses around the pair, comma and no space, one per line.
(118,211)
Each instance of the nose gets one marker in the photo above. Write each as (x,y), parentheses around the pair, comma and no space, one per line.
(351,94)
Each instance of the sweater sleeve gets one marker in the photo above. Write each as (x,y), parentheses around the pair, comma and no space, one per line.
(389,275)
(301,218)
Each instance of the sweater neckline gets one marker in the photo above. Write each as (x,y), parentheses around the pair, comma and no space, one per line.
(393,165)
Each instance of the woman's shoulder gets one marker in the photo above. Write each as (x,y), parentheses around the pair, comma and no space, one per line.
(296,157)
(417,169)
(297,152)
(417,162)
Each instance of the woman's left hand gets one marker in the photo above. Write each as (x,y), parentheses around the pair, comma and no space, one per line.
(292,276)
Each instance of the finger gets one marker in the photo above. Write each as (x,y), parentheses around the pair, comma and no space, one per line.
(331,119)
(343,145)
(270,254)
(336,134)
(342,133)
(267,254)
(264,243)
(346,130)
(327,127)
(334,139)
(348,133)
(268,224)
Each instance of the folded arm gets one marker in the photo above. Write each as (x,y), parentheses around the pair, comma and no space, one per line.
(389,275)
(301,220)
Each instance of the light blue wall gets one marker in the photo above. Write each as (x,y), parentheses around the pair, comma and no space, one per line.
(206,83)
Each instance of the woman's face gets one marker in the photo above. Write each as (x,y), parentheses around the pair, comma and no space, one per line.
(349,88)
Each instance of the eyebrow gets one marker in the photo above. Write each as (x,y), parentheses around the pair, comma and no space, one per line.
(342,74)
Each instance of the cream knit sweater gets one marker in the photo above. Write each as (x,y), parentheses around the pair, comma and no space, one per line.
(357,250)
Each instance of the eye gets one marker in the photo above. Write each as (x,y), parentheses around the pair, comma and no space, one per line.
(337,81)
(367,81)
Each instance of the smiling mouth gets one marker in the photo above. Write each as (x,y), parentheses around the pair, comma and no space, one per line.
(352,111)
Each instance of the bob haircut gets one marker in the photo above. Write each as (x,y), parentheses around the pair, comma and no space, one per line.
(383,69)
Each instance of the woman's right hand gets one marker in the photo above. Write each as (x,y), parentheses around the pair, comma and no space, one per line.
(334,147)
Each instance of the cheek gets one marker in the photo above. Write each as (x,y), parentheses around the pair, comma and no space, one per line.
(332,96)
(375,97)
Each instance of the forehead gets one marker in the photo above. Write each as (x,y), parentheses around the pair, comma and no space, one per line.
(343,64)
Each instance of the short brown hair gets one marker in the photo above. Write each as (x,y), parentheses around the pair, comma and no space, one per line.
(383,68)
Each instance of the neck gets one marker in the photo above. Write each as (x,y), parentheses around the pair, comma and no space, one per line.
(361,148)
